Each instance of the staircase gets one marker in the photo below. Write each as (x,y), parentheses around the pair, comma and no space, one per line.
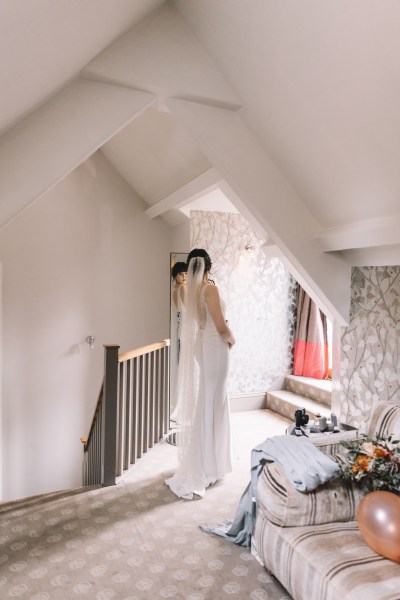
(302,392)
(131,413)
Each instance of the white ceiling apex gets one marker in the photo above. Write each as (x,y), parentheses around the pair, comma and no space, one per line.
(161,55)
(59,136)
(255,180)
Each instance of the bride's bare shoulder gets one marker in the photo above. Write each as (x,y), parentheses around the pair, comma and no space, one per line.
(211,291)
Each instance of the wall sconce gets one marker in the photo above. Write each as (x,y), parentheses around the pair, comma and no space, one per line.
(90,340)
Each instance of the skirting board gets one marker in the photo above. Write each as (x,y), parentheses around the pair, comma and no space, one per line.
(254,401)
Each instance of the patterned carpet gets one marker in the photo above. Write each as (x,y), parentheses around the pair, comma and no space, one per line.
(137,540)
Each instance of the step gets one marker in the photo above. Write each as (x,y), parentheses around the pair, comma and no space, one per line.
(285,403)
(319,390)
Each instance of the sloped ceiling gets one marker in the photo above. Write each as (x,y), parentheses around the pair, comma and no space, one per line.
(45,44)
(155,144)
(317,84)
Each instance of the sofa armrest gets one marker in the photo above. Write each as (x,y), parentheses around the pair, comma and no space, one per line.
(385,420)
(282,504)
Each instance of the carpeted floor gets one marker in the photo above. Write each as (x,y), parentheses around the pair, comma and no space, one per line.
(137,540)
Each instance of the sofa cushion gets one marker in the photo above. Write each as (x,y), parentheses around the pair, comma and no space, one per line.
(327,562)
(282,504)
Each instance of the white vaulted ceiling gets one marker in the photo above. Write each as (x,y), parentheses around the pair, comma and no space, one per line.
(319,85)
(194,96)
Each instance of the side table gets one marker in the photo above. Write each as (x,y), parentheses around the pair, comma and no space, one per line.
(329,441)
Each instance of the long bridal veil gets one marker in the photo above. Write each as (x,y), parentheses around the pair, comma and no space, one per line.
(189,476)
(188,372)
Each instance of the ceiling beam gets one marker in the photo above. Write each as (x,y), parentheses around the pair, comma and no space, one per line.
(377,256)
(271,250)
(56,138)
(197,187)
(363,234)
(161,54)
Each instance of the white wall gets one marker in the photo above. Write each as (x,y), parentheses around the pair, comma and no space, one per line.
(181,237)
(84,260)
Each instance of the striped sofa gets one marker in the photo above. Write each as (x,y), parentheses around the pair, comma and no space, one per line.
(311,542)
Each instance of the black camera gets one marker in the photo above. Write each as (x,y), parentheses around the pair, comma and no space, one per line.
(300,417)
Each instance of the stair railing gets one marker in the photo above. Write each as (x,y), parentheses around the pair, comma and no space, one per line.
(132,412)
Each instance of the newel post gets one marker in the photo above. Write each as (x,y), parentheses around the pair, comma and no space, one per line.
(109,415)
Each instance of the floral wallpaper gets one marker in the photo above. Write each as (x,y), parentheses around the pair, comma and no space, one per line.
(260,296)
(370,346)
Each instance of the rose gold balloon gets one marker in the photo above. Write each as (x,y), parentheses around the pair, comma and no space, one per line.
(378,516)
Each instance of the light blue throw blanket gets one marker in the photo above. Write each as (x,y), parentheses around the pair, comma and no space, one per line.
(305,465)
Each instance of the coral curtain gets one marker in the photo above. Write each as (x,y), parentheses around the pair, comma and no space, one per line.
(311,339)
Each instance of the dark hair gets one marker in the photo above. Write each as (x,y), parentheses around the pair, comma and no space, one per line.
(179,267)
(200,252)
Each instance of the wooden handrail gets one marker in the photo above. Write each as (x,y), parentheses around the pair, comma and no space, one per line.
(143,350)
(124,356)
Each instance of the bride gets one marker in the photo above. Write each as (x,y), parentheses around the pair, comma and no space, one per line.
(204,445)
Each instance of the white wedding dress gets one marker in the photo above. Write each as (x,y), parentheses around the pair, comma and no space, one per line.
(208,456)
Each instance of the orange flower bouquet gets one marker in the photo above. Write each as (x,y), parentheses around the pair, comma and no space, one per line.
(374,464)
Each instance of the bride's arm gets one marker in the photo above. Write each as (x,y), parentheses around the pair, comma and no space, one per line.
(211,296)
